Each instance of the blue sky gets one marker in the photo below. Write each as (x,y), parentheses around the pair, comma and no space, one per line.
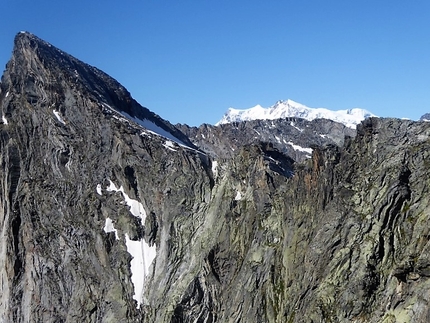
(189,61)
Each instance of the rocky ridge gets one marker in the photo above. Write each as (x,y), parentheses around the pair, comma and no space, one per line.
(251,237)
(295,137)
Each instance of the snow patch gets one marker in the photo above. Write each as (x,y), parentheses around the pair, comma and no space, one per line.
(136,208)
(7,94)
(215,168)
(120,119)
(299,148)
(112,187)
(238,196)
(58,115)
(144,133)
(109,227)
(99,189)
(294,126)
(169,145)
(143,254)
(4,119)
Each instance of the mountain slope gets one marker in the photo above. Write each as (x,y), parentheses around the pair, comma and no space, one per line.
(291,109)
(104,221)
(61,148)
(294,137)
(32,56)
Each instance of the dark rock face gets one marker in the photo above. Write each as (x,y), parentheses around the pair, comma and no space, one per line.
(293,136)
(251,237)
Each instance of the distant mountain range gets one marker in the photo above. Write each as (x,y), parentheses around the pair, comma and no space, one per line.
(291,109)
(425,117)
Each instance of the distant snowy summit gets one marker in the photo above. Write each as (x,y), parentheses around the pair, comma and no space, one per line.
(289,108)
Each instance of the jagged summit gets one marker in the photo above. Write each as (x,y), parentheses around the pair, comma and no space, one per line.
(36,64)
(290,108)
(425,117)
(33,54)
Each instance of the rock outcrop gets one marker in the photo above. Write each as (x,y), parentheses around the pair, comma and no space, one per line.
(294,137)
(252,236)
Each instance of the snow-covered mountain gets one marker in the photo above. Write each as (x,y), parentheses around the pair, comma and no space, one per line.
(289,108)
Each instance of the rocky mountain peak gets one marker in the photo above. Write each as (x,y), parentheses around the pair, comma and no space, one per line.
(35,56)
(36,66)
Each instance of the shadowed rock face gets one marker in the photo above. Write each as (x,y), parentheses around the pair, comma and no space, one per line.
(254,237)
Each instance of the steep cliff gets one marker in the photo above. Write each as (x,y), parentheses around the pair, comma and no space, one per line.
(110,214)
(65,139)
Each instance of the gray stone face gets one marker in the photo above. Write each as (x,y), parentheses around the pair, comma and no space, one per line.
(247,235)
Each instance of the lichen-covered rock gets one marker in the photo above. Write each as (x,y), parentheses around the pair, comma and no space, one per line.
(250,236)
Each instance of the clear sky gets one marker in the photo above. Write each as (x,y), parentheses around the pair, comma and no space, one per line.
(190,60)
